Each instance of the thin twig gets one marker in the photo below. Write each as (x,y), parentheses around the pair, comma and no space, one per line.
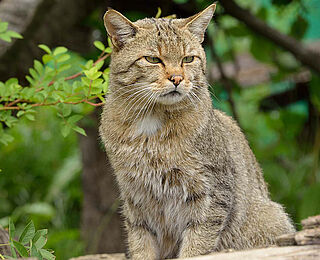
(224,79)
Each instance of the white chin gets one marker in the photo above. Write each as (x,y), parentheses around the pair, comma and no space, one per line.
(169,99)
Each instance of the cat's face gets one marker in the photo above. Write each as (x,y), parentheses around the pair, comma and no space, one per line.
(158,60)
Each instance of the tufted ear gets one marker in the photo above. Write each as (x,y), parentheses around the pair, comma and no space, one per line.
(119,28)
(198,23)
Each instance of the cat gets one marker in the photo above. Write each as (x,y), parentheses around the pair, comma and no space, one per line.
(188,181)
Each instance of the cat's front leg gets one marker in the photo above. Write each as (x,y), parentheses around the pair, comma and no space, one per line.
(142,244)
(199,239)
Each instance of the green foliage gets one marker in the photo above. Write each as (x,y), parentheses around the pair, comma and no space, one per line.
(30,242)
(45,185)
(50,87)
(7,35)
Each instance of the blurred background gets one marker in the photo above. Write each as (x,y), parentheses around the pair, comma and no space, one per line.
(263,68)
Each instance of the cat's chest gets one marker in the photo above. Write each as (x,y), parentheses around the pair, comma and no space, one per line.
(149,125)
(157,161)
(160,172)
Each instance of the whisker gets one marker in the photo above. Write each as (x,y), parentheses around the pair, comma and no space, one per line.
(133,94)
(140,99)
(144,107)
(128,91)
(150,105)
(195,95)
(209,87)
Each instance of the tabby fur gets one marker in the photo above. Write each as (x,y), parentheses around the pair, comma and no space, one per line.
(188,180)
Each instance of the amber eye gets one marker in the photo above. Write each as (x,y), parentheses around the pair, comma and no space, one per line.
(188,59)
(153,60)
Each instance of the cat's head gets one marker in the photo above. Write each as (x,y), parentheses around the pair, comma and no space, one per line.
(160,61)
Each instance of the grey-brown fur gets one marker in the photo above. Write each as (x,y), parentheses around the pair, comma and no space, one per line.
(188,180)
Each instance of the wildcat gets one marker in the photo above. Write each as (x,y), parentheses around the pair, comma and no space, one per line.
(188,180)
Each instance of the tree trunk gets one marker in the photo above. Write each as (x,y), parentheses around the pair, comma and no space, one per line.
(100,217)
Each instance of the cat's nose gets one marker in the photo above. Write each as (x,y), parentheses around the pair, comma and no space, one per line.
(176,79)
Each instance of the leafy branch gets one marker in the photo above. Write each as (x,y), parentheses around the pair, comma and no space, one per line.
(29,244)
(49,87)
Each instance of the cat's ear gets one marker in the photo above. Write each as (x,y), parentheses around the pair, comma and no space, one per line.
(119,28)
(198,23)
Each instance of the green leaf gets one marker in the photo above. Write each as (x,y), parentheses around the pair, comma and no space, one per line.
(74,99)
(65,130)
(63,57)
(158,13)
(40,242)
(38,234)
(36,208)
(64,67)
(27,234)
(20,113)
(299,27)
(75,118)
(59,50)
(30,117)
(86,81)
(28,92)
(101,98)
(31,81)
(13,251)
(5,37)
(79,130)
(108,50)
(88,64)
(99,45)
(96,75)
(47,255)
(109,42)
(3,26)
(106,74)
(66,110)
(99,64)
(33,73)
(105,87)
(12,229)
(6,138)
(97,83)
(46,58)
(20,248)
(93,74)
(35,252)
(45,48)
(38,66)
(13,34)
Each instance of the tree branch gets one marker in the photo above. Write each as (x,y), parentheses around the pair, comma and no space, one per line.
(225,80)
(306,56)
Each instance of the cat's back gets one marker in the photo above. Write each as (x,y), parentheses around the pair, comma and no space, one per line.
(223,144)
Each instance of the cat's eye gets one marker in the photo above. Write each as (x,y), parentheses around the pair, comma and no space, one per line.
(188,59)
(153,60)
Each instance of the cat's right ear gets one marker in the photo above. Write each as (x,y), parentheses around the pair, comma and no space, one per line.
(119,28)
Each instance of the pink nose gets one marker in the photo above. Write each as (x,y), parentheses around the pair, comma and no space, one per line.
(176,79)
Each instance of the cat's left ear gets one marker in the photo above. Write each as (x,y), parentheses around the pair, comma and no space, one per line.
(119,28)
(198,23)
